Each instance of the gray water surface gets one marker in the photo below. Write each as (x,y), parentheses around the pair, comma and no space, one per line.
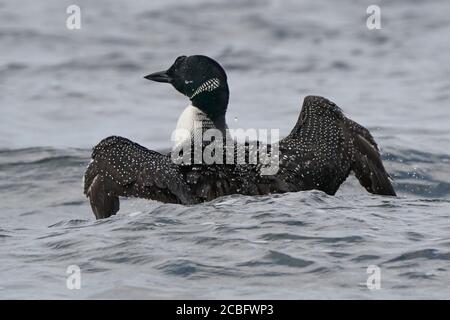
(64,90)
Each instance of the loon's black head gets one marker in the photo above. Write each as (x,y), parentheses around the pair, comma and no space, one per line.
(199,78)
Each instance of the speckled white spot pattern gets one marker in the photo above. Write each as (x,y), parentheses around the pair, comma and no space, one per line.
(208,85)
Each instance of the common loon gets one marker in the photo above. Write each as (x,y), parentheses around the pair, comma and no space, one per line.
(319,153)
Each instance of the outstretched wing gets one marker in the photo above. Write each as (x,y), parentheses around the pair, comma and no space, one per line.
(120,167)
(367,164)
(334,145)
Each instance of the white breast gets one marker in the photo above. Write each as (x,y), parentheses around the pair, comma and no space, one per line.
(189,123)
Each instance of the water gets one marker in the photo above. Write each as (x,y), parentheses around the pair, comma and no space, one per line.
(62,91)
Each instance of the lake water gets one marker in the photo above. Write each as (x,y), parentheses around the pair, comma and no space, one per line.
(64,90)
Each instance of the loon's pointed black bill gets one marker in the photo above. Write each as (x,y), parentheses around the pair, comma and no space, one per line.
(160,76)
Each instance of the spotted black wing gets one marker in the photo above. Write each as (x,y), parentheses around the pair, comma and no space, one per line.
(325,146)
(120,167)
(314,155)
(367,164)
